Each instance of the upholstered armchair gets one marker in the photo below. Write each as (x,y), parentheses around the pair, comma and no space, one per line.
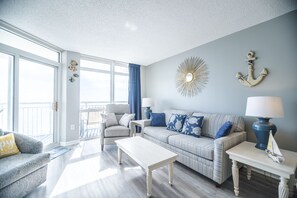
(116,124)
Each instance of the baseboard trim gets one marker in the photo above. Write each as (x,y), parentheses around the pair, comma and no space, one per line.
(69,143)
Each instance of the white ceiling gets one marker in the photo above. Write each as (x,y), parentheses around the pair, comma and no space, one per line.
(137,31)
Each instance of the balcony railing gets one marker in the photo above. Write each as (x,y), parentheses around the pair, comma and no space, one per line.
(90,119)
(36,119)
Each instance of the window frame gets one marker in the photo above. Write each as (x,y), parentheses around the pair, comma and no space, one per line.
(112,72)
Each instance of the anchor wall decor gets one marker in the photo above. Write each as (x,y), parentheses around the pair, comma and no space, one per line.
(248,79)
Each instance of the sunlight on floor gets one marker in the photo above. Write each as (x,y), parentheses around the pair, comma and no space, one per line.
(80,174)
(78,151)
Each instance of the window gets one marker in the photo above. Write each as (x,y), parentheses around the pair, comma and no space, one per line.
(18,42)
(6,88)
(101,82)
(28,84)
(121,84)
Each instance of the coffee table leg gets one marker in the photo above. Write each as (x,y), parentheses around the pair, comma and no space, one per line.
(170,173)
(119,155)
(149,183)
(283,189)
(235,175)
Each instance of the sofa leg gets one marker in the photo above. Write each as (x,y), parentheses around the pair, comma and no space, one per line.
(102,146)
(218,185)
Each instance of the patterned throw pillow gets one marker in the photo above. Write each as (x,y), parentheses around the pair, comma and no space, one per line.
(126,118)
(176,122)
(8,146)
(224,130)
(158,119)
(193,126)
(110,119)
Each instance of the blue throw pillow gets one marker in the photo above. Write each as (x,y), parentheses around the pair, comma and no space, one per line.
(224,130)
(176,122)
(193,125)
(158,119)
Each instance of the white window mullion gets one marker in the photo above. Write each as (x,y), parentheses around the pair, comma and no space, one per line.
(112,82)
(16,93)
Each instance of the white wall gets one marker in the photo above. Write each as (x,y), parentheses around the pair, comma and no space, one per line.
(275,44)
(69,108)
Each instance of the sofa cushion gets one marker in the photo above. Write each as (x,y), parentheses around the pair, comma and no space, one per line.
(203,147)
(224,130)
(213,122)
(176,122)
(169,112)
(159,133)
(17,166)
(193,125)
(158,119)
(116,131)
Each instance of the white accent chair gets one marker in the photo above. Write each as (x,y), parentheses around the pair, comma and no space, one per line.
(109,134)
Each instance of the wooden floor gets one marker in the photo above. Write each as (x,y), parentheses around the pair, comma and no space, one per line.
(85,171)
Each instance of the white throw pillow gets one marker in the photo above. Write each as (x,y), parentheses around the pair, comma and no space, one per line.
(110,119)
(125,119)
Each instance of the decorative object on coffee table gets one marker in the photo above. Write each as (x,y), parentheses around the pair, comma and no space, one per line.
(248,79)
(264,108)
(147,103)
(191,76)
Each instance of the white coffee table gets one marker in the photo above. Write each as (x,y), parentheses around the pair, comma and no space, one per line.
(246,153)
(148,155)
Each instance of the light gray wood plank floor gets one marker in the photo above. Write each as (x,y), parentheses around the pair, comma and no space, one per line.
(85,171)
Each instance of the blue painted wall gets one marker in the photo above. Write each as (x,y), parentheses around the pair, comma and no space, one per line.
(275,44)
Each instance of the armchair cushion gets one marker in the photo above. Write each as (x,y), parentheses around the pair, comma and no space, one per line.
(126,118)
(116,131)
(16,167)
(8,146)
(109,119)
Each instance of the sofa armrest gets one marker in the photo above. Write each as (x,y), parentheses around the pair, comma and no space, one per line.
(28,144)
(222,163)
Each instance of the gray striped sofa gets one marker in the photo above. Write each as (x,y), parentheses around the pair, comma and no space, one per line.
(205,155)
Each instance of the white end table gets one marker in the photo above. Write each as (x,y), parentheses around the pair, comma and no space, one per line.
(246,153)
(139,123)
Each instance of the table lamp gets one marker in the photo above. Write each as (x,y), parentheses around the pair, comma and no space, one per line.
(264,108)
(147,103)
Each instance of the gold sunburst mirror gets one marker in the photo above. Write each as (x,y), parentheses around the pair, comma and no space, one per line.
(191,76)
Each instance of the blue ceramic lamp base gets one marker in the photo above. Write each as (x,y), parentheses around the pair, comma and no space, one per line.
(147,112)
(262,129)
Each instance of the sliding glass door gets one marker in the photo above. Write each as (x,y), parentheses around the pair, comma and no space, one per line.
(6,81)
(36,102)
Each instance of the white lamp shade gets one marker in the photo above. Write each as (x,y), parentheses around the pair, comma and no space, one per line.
(264,107)
(147,102)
